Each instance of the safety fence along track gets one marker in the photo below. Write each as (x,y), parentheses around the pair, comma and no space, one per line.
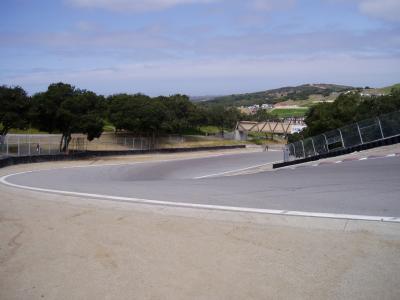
(374,132)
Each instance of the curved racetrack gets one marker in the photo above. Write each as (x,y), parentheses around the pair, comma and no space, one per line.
(367,188)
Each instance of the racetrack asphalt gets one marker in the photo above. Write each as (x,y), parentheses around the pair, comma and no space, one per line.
(368,187)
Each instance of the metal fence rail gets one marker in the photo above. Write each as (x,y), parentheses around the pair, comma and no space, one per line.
(360,133)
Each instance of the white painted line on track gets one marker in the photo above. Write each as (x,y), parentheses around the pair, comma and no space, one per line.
(391,155)
(237,170)
(3,180)
(363,158)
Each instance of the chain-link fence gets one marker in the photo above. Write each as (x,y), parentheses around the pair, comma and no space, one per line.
(36,144)
(124,142)
(363,132)
(23,145)
(49,144)
(112,142)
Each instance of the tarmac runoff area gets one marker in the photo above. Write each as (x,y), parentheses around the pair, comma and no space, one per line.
(59,246)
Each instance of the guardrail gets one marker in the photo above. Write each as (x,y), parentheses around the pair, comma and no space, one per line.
(366,132)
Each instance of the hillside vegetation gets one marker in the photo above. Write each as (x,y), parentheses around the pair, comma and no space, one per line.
(297,93)
(388,89)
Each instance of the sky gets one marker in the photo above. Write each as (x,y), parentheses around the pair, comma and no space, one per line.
(198,47)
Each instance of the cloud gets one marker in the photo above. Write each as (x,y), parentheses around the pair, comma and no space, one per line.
(270,5)
(152,42)
(222,76)
(385,9)
(382,42)
(86,26)
(144,39)
(154,5)
(134,5)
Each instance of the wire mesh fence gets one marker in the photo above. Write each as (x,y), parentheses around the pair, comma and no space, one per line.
(23,145)
(49,144)
(363,132)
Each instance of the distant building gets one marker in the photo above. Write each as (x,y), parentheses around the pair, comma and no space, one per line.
(252,109)
(267,106)
(370,94)
(285,105)
(297,128)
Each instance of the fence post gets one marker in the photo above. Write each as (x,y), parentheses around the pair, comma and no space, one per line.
(359,132)
(380,127)
(7,151)
(286,153)
(341,137)
(18,146)
(29,145)
(304,150)
(326,142)
(313,145)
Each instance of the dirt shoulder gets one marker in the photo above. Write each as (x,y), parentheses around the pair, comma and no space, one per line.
(60,247)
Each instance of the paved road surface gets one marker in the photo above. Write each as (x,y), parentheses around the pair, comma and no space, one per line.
(369,187)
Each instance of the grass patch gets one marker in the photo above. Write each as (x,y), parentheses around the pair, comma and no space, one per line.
(27,131)
(209,130)
(290,112)
(109,128)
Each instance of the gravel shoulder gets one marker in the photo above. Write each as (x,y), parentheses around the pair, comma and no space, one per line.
(60,247)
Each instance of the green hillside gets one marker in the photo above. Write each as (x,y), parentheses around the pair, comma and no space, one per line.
(297,93)
(388,89)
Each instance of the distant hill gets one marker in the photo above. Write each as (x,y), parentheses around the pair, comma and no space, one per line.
(388,89)
(202,98)
(370,91)
(297,93)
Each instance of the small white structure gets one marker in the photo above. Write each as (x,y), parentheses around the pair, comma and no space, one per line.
(297,128)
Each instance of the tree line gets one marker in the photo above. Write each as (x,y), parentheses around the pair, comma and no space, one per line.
(347,109)
(64,109)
